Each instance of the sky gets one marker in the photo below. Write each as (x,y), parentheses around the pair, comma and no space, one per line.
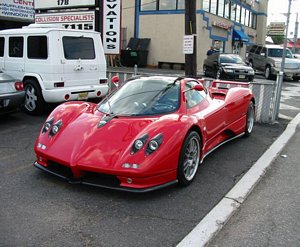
(277,9)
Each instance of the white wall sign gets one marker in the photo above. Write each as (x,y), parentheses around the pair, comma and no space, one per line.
(84,20)
(55,4)
(188,44)
(17,9)
(111,26)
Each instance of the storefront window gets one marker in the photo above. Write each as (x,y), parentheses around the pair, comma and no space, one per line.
(243,13)
(148,5)
(206,5)
(227,9)
(167,5)
(213,6)
(181,4)
(238,13)
(221,8)
(155,5)
(247,18)
(233,11)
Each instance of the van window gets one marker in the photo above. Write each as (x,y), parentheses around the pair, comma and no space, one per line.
(253,48)
(16,46)
(1,46)
(78,47)
(37,47)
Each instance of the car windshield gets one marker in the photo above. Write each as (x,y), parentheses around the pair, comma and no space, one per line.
(277,52)
(231,59)
(143,96)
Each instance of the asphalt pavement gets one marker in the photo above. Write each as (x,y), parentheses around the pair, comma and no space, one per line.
(270,216)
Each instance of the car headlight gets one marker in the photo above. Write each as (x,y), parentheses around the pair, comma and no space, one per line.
(154,144)
(55,128)
(47,125)
(251,72)
(277,64)
(139,143)
(229,70)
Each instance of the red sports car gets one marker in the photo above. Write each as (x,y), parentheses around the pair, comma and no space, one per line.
(150,133)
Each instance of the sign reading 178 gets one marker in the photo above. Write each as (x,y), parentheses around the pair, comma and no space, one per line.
(62,2)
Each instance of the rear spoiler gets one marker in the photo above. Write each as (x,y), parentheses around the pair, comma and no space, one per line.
(223,84)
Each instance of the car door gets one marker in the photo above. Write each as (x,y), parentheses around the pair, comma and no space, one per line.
(14,61)
(210,114)
(81,59)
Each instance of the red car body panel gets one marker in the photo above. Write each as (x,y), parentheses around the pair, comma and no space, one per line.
(84,148)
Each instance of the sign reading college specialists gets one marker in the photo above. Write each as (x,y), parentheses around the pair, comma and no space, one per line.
(17,9)
(83,20)
(111,26)
(58,4)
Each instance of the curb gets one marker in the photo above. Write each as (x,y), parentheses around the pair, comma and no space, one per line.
(213,222)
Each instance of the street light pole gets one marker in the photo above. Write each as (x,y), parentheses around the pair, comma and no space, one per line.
(280,75)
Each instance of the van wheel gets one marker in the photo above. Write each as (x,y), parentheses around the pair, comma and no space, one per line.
(34,102)
(268,74)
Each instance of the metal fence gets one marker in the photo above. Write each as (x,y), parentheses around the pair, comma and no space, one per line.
(264,93)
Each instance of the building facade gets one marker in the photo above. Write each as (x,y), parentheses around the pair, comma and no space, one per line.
(227,25)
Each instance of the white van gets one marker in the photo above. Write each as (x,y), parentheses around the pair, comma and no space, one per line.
(55,64)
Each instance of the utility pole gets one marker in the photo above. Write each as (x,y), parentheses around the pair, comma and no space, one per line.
(295,34)
(280,75)
(190,29)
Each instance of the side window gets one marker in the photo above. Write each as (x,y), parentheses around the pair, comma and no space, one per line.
(16,46)
(193,97)
(258,50)
(1,46)
(37,47)
(263,51)
(253,48)
(78,47)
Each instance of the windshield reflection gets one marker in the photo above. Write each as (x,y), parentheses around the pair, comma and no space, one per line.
(143,96)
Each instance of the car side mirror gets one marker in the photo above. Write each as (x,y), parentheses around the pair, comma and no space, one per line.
(115,80)
(198,87)
(263,54)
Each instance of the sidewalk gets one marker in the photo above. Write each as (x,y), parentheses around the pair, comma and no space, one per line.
(270,215)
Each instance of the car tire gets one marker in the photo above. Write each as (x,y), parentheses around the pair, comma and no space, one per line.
(34,102)
(189,159)
(250,118)
(268,74)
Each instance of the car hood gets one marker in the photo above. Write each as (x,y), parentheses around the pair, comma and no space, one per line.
(81,140)
(235,66)
(293,61)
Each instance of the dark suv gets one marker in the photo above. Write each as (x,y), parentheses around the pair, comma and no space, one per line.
(267,58)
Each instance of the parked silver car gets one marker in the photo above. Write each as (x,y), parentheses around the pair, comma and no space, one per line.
(268,59)
(12,94)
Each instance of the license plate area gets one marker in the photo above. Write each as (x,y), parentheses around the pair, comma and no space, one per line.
(83,96)
(242,76)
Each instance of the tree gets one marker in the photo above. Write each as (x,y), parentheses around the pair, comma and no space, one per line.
(278,39)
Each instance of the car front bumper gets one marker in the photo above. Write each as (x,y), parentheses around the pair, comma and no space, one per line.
(136,185)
